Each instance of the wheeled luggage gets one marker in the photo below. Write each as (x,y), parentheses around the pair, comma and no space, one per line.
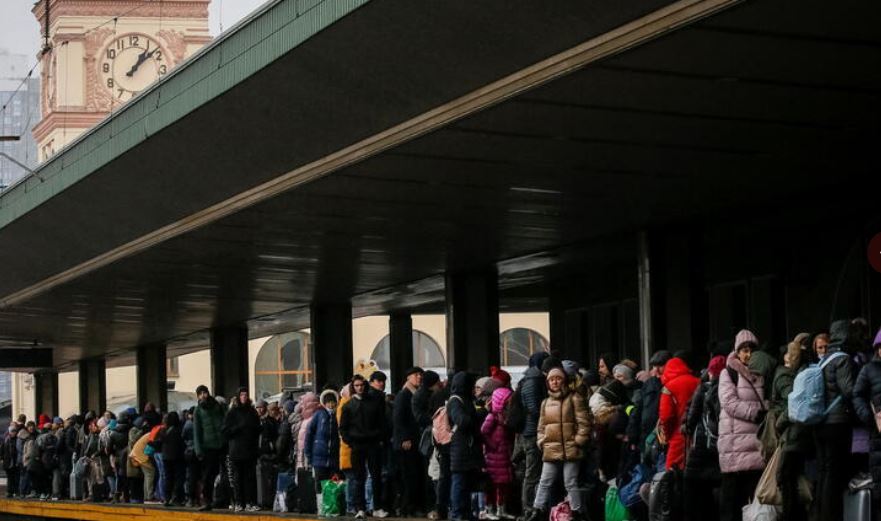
(858,505)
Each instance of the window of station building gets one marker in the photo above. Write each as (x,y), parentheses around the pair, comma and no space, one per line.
(426,352)
(518,344)
(282,362)
(172,367)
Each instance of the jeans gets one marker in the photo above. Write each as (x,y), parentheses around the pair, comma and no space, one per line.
(533,469)
(442,490)
(549,472)
(12,482)
(833,456)
(460,495)
(24,482)
(160,470)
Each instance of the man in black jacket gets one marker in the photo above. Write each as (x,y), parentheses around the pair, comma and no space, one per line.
(405,441)
(646,401)
(533,390)
(241,428)
(362,427)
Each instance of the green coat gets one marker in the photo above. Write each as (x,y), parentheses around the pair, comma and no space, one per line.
(764,364)
(207,421)
(795,437)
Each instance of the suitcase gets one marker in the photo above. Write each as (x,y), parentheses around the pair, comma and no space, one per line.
(76,486)
(665,496)
(305,502)
(265,485)
(858,505)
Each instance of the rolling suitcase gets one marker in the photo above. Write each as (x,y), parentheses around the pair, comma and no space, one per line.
(76,487)
(858,505)
(305,496)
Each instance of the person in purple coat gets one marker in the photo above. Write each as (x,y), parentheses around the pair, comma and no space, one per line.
(498,442)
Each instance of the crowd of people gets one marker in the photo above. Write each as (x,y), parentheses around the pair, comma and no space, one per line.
(483,447)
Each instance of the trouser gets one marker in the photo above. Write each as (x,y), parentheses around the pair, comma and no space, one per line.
(149,479)
(498,494)
(58,479)
(833,457)
(122,489)
(160,473)
(24,482)
(411,476)
(38,480)
(461,486)
(12,482)
(533,469)
(136,488)
(175,470)
(791,470)
(242,481)
(194,470)
(364,460)
(442,489)
(736,490)
(65,468)
(550,470)
(698,499)
(210,470)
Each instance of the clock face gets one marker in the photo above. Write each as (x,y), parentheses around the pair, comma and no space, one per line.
(129,63)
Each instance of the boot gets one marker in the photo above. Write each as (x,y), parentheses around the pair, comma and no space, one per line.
(318,504)
(503,513)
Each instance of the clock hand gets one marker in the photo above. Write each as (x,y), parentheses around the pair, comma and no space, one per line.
(144,56)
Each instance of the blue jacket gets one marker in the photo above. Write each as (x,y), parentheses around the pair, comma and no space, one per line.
(323,440)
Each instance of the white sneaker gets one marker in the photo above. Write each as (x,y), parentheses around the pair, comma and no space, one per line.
(239,508)
(380,513)
(361,515)
(491,515)
(252,508)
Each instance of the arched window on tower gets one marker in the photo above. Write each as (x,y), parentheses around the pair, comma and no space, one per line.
(426,352)
(282,362)
(516,345)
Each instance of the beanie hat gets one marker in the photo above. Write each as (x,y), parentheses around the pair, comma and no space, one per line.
(537,358)
(413,370)
(556,371)
(429,379)
(43,420)
(57,420)
(625,371)
(838,334)
(378,375)
(482,381)
(660,358)
(744,336)
(570,367)
(717,363)
(501,375)
(549,363)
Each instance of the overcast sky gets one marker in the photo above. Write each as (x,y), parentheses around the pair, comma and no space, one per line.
(20,33)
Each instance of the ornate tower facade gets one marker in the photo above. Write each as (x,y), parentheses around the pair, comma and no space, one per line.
(103,53)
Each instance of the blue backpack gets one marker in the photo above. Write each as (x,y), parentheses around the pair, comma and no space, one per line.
(807,401)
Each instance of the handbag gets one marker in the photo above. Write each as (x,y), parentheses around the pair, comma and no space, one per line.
(768,436)
(768,489)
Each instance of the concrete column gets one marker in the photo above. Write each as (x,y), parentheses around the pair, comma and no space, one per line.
(472,308)
(229,360)
(152,377)
(644,282)
(93,385)
(46,393)
(400,329)
(332,343)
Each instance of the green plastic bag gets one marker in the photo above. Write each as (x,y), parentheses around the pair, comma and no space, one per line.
(615,510)
(333,498)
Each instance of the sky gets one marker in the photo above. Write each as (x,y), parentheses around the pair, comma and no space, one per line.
(20,32)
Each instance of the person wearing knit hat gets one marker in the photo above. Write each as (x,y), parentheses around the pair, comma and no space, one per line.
(549,363)
(563,437)
(405,440)
(242,428)
(322,441)
(570,367)
(480,385)
(701,476)
(716,365)
(623,374)
(208,441)
(502,376)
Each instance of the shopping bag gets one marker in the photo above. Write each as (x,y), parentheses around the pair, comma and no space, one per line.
(767,491)
(756,511)
(768,435)
(561,512)
(333,497)
(283,482)
(629,492)
(615,509)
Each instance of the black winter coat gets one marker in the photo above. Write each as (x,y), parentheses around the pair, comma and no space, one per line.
(171,442)
(466,451)
(362,420)
(867,392)
(644,416)
(421,407)
(405,427)
(268,438)
(702,425)
(241,428)
(533,391)
(839,374)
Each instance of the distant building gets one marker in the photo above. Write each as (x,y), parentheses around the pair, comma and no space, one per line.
(21,115)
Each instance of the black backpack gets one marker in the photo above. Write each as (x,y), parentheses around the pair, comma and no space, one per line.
(514,415)
(49,452)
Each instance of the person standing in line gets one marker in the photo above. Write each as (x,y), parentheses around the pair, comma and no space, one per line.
(702,472)
(323,441)
(241,427)
(9,458)
(405,439)
(833,454)
(533,391)
(381,502)
(498,443)
(866,401)
(679,386)
(363,427)
(646,400)
(208,441)
(795,437)
(466,458)
(169,440)
(741,396)
(563,436)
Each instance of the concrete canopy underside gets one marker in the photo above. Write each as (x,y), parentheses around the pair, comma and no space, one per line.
(763,104)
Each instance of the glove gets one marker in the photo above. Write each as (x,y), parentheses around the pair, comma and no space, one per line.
(760,416)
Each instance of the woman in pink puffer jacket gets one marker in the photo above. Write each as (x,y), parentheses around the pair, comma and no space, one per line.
(741,400)
(307,406)
(498,443)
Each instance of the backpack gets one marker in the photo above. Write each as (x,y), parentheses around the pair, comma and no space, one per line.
(807,401)
(514,414)
(49,454)
(441,429)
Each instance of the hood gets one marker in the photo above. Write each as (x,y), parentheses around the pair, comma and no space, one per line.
(538,358)
(743,336)
(675,368)
(328,392)
(462,384)
(429,379)
(308,405)
(838,334)
(500,396)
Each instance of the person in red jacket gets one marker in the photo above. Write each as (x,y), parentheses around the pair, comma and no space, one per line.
(679,385)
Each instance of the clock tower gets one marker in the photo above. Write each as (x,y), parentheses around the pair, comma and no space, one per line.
(103,53)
